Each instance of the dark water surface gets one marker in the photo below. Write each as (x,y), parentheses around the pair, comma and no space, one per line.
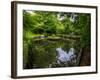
(41,53)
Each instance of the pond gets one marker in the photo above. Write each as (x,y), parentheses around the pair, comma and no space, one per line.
(52,52)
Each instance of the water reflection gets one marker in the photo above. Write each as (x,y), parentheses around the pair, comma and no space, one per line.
(64,57)
(52,53)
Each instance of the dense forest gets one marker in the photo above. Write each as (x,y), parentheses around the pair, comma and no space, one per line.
(45,32)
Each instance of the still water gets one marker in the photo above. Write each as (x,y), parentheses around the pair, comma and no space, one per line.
(48,53)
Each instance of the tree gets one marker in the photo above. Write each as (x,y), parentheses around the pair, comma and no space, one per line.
(83,28)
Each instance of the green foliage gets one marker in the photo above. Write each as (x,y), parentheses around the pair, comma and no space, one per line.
(83,28)
(54,26)
(43,22)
